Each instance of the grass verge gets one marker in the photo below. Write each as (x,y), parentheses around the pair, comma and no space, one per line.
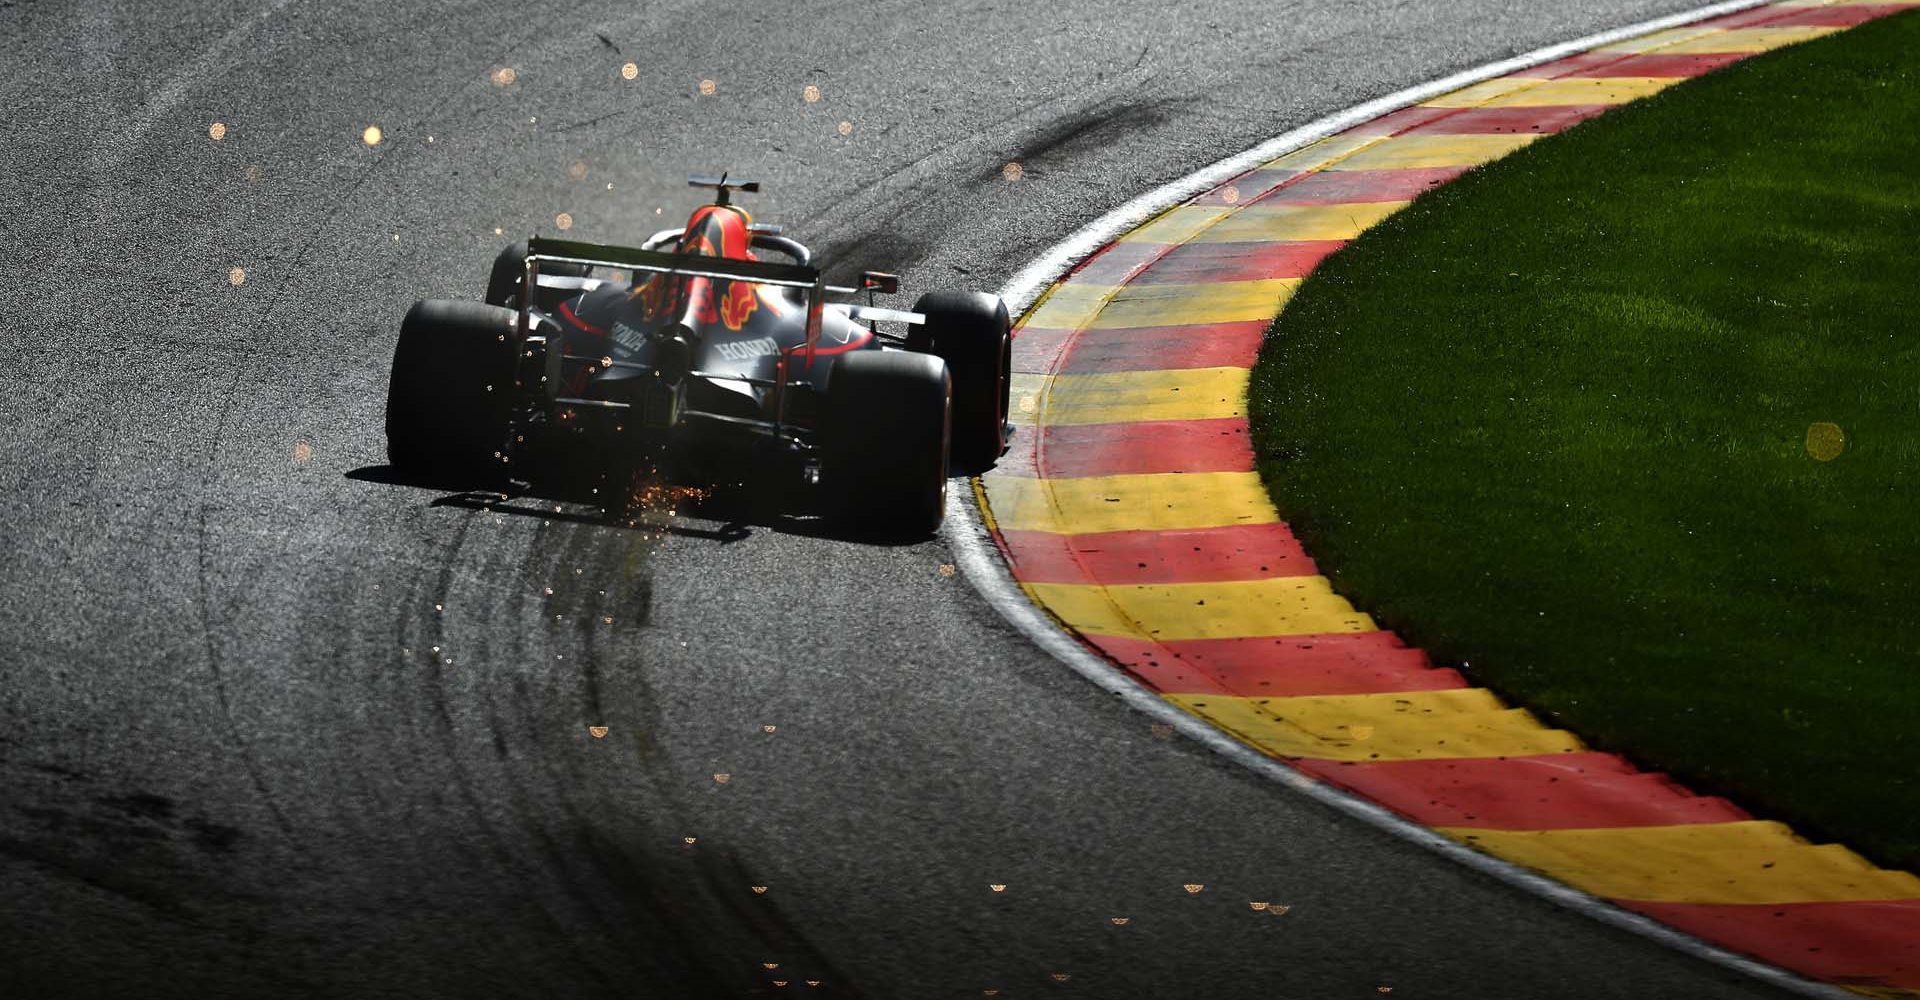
(1556,421)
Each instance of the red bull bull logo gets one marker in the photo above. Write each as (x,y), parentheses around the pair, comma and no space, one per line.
(713,231)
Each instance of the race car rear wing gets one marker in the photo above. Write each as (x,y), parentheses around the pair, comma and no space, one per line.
(764,272)
(549,251)
(800,276)
(600,255)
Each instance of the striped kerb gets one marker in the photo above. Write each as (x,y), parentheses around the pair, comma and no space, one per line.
(1130,510)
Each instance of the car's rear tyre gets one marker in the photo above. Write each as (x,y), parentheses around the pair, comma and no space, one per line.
(451,391)
(972,333)
(510,268)
(886,436)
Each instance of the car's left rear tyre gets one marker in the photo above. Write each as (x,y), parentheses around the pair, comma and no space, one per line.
(451,392)
(886,435)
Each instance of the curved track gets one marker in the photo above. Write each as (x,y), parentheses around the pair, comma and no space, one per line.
(231,759)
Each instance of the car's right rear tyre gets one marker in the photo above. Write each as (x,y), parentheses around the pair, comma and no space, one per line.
(451,392)
(971,332)
(886,435)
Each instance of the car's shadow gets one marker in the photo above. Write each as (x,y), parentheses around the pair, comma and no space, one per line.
(738,509)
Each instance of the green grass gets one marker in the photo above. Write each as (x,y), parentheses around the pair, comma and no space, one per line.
(1550,422)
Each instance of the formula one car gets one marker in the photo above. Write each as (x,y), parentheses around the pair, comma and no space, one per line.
(693,351)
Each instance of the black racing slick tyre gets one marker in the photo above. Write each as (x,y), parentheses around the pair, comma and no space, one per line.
(509,269)
(886,434)
(971,332)
(451,391)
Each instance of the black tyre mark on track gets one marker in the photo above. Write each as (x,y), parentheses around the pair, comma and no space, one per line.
(1083,132)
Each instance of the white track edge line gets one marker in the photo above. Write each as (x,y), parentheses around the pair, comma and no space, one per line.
(1026,284)
(979,556)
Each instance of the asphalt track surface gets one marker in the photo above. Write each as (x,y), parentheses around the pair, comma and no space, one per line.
(231,763)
